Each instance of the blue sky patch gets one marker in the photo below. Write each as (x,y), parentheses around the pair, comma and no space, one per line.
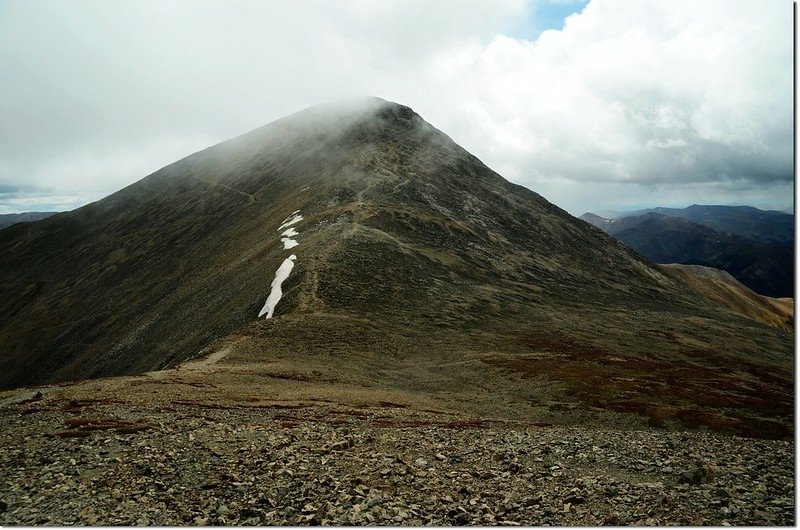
(544,15)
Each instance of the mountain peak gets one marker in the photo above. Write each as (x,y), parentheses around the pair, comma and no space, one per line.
(369,109)
(370,237)
(354,109)
(336,125)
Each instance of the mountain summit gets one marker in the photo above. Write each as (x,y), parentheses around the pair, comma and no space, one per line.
(383,254)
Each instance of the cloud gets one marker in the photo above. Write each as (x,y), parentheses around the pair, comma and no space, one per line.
(108,84)
(630,96)
(631,92)
(44,201)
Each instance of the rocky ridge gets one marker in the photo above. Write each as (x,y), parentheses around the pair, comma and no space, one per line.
(327,464)
(175,447)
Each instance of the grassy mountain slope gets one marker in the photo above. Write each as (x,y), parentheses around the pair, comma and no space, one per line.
(419,270)
(726,290)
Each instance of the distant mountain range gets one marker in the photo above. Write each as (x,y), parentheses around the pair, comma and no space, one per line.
(8,219)
(745,221)
(754,246)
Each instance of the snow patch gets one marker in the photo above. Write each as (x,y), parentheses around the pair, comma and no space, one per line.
(276,293)
(305,189)
(288,234)
(292,219)
(286,267)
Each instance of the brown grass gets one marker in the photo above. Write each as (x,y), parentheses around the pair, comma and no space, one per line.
(76,406)
(751,400)
(73,434)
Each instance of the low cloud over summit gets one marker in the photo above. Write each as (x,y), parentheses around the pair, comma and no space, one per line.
(628,99)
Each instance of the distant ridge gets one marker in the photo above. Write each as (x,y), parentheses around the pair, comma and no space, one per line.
(732,294)
(756,247)
(8,219)
(745,221)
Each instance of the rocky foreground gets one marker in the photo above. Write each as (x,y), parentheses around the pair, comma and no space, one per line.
(93,462)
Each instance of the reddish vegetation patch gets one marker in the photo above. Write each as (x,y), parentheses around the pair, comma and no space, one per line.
(562,343)
(281,406)
(464,424)
(431,411)
(82,427)
(313,376)
(132,429)
(658,415)
(389,404)
(171,382)
(68,383)
(715,391)
(289,377)
(76,406)
(73,434)
(201,405)
(286,421)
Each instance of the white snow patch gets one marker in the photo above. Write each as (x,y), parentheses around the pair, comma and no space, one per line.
(275,294)
(287,240)
(292,219)
(305,189)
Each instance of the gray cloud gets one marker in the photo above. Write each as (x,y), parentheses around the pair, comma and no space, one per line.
(45,201)
(643,95)
(689,101)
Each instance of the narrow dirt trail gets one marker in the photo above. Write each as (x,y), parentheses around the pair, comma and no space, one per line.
(225,186)
(201,364)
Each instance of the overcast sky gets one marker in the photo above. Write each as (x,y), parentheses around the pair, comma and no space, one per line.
(606,104)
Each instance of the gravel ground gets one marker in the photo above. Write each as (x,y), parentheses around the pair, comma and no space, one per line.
(188,464)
